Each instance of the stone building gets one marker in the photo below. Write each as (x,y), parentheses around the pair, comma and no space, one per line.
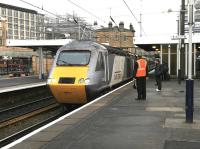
(116,36)
(23,23)
(3,31)
(20,23)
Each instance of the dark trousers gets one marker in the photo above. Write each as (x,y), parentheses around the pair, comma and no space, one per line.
(158,82)
(141,87)
(164,76)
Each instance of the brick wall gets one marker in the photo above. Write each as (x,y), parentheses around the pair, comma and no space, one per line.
(116,38)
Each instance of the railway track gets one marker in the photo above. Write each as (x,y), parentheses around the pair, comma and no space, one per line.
(21,119)
(13,113)
(25,131)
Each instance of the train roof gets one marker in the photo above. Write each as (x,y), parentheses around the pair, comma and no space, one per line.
(82,45)
(85,45)
(118,51)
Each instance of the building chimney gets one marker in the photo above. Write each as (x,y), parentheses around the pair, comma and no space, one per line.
(131,28)
(121,25)
(95,23)
(110,24)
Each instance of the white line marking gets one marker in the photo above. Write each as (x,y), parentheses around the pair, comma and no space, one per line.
(57,120)
(165,109)
(20,87)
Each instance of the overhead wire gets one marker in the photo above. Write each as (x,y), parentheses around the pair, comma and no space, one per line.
(133,15)
(86,11)
(82,27)
(58,16)
(41,8)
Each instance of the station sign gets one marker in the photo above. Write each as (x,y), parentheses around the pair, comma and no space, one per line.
(6,57)
(177,37)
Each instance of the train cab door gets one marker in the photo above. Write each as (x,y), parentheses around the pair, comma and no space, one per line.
(102,69)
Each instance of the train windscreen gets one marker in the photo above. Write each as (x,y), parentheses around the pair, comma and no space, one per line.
(70,58)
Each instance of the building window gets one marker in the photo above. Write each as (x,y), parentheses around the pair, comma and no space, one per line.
(32,17)
(10,37)
(15,32)
(21,15)
(9,19)
(33,29)
(10,26)
(124,38)
(32,34)
(32,23)
(106,38)
(16,14)
(42,36)
(1,33)
(27,28)
(22,33)
(27,16)
(27,23)
(1,43)
(16,37)
(3,12)
(9,12)
(116,37)
(10,31)
(21,21)
(42,29)
(22,27)
(27,34)
(15,26)
(38,35)
(15,20)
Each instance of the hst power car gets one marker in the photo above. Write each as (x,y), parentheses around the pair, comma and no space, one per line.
(83,69)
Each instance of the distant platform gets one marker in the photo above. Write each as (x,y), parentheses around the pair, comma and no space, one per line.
(19,83)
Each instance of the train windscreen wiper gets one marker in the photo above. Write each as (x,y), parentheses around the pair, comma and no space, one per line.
(64,63)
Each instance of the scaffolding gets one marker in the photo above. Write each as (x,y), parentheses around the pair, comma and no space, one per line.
(68,27)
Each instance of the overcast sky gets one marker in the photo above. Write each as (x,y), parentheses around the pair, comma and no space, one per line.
(155,19)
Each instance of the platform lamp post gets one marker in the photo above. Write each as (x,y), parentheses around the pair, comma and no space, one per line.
(190,82)
(181,72)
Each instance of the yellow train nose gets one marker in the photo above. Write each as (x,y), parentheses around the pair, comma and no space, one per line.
(67,85)
(69,93)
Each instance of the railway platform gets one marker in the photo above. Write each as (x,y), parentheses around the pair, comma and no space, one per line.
(18,83)
(118,121)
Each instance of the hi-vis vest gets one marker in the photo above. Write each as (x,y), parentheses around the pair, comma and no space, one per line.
(141,71)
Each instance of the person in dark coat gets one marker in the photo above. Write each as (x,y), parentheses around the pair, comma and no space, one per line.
(140,73)
(158,75)
(165,75)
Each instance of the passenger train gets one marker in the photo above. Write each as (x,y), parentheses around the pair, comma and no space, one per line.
(82,69)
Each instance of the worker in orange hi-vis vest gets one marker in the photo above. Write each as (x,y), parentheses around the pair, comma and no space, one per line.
(140,73)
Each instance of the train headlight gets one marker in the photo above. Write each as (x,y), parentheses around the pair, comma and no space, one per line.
(84,81)
(87,81)
(51,80)
(81,81)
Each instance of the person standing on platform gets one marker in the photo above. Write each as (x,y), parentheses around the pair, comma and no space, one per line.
(165,74)
(158,75)
(140,73)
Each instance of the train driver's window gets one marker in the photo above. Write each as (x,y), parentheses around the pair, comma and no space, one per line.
(100,62)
